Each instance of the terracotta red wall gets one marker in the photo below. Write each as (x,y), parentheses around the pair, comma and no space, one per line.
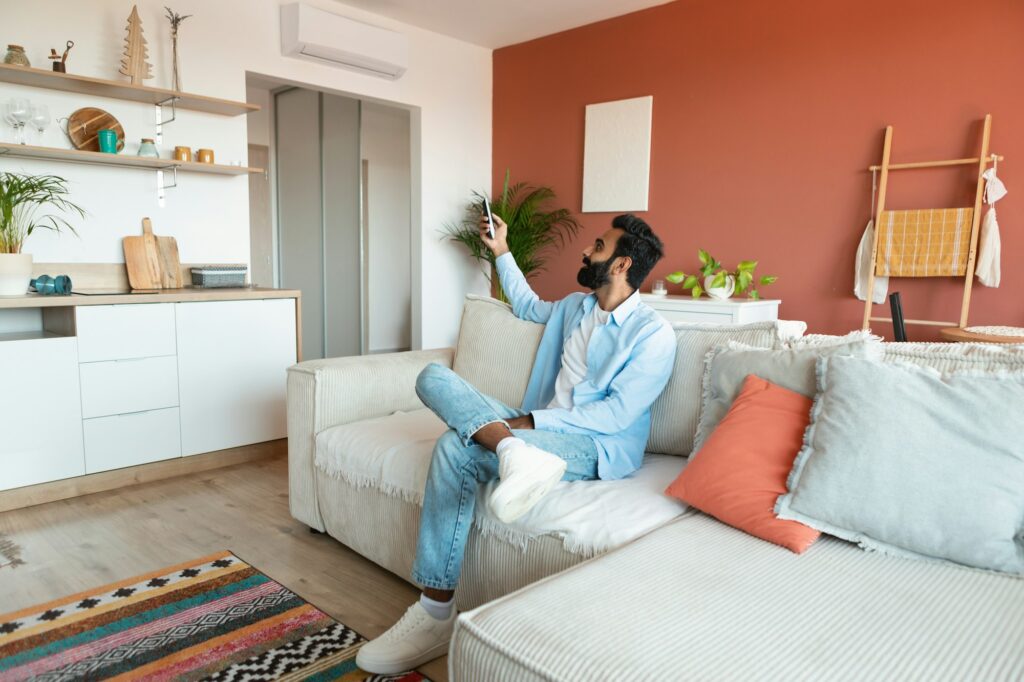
(766,116)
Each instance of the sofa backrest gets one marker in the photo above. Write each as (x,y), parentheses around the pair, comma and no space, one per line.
(958,357)
(496,350)
(675,413)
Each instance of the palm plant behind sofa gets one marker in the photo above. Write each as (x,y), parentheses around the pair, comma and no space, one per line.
(533,228)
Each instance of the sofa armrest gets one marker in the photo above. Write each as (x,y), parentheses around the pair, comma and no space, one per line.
(326,393)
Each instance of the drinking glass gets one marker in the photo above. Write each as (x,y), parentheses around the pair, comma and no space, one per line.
(18,113)
(40,119)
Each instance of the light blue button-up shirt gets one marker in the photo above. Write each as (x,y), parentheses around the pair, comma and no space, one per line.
(629,361)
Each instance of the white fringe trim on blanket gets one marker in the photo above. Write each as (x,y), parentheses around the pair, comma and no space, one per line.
(488,527)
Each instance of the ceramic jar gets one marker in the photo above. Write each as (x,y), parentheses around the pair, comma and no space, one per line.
(148,148)
(16,56)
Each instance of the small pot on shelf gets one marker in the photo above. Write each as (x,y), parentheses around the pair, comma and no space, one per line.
(15,273)
(16,56)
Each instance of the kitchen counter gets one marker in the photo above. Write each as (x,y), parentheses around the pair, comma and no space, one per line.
(148,296)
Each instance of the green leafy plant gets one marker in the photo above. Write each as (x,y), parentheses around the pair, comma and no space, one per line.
(533,227)
(710,266)
(23,198)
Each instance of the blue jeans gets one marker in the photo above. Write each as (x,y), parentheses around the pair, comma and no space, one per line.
(460,465)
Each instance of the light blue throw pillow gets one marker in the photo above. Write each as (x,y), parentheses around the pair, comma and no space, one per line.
(909,461)
(727,367)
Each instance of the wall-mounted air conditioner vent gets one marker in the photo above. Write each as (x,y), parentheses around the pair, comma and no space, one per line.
(312,33)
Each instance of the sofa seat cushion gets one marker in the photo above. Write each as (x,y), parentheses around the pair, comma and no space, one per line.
(698,600)
(392,454)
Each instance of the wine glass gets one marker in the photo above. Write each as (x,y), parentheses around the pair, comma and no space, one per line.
(40,119)
(18,113)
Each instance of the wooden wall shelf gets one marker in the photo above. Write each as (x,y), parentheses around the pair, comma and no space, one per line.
(99,87)
(24,151)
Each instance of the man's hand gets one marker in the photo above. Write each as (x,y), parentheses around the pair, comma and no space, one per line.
(498,245)
(524,422)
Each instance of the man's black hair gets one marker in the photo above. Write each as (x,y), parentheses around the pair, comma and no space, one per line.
(639,243)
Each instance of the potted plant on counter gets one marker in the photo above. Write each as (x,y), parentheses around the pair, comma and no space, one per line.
(24,200)
(719,282)
(533,227)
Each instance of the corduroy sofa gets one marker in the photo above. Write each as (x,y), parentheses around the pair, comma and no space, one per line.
(654,589)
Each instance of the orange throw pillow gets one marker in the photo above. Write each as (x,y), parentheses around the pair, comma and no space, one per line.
(742,468)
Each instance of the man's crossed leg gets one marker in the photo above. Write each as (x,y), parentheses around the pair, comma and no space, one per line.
(479,447)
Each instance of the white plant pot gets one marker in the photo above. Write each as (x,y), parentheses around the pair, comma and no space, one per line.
(15,273)
(720,293)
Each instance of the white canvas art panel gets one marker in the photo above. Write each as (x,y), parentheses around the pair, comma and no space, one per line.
(617,155)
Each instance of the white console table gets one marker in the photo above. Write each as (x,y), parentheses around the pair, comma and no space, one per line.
(711,311)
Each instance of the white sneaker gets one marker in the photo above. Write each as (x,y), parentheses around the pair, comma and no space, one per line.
(415,639)
(527,474)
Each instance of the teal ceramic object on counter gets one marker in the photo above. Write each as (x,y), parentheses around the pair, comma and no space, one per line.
(47,286)
(108,140)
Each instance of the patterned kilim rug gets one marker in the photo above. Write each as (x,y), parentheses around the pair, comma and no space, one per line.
(215,618)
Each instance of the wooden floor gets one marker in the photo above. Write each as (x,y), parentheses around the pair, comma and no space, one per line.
(76,544)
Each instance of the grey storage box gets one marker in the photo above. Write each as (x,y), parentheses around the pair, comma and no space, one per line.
(219,276)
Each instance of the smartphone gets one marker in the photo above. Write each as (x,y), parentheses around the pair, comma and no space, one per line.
(486,208)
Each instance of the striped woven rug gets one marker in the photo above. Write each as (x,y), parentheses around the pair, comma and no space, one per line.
(215,618)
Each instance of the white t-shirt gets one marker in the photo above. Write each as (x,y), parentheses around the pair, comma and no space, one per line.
(574,357)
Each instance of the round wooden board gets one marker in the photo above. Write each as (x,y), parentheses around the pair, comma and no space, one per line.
(84,124)
(958,335)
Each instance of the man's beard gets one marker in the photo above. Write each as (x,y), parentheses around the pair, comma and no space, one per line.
(594,275)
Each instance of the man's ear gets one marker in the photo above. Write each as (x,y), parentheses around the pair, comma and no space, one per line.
(623,264)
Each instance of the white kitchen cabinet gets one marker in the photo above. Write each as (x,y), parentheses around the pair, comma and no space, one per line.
(232,357)
(121,332)
(124,440)
(40,410)
(131,385)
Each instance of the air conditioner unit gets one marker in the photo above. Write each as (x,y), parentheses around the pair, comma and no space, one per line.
(328,38)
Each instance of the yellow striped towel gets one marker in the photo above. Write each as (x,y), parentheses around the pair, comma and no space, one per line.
(927,242)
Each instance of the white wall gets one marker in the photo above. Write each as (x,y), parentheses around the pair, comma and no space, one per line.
(385,146)
(447,89)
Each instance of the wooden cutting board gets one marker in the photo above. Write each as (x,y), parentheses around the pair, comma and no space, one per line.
(85,124)
(170,265)
(142,259)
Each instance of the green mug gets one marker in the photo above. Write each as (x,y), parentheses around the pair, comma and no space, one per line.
(108,140)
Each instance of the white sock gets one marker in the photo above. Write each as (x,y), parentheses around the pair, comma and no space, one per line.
(506,442)
(439,610)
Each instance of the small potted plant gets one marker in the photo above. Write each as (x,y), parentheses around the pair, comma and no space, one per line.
(719,282)
(22,199)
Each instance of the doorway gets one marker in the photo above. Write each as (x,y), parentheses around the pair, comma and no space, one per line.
(340,216)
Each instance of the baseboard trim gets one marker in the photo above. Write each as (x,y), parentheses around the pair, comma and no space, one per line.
(144,473)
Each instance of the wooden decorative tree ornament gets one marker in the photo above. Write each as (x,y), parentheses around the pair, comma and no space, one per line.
(133,63)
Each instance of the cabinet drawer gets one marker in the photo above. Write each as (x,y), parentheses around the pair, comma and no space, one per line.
(697,316)
(119,386)
(129,439)
(120,332)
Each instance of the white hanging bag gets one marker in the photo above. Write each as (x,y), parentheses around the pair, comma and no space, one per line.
(987,267)
(862,265)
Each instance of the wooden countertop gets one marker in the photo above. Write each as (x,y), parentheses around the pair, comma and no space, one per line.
(154,296)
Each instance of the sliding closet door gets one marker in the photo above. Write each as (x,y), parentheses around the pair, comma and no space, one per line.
(342,248)
(300,209)
(318,176)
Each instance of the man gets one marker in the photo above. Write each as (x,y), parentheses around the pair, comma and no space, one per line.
(603,360)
